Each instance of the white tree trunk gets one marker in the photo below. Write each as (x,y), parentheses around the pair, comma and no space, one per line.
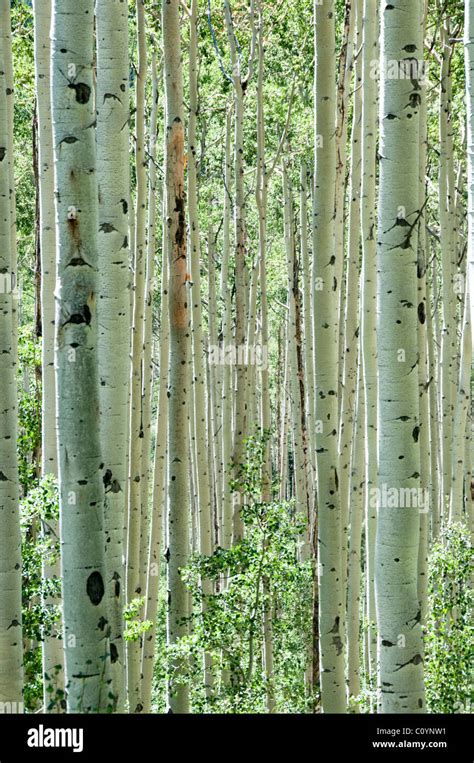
(400,648)
(326,339)
(53,662)
(178,481)
(11,644)
(80,476)
(114,303)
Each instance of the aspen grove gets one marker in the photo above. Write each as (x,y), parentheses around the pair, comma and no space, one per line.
(236,379)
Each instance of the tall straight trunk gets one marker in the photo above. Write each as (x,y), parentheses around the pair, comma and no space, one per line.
(6,32)
(81,484)
(435,491)
(344,76)
(456,502)
(136,509)
(240,84)
(446,200)
(308,332)
(114,303)
(469,69)
(355,557)
(326,339)
(159,490)
(294,353)
(11,643)
(154,194)
(351,328)
(199,376)
(469,65)
(423,364)
(368,313)
(227,388)
(214,395)
(178,432)
(53,662)
(400,647)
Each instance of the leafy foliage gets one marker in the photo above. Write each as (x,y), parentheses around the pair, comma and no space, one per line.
(449,633)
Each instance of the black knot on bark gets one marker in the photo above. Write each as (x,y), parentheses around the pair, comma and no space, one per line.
(83,91)
(95,587)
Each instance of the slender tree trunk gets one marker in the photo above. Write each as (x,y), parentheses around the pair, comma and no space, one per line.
(11,643)
(326,333)
(350,324)
(227,388)
(135,584)
(240,84)
(81,484)
(114,303)
(199,376)
(53,663)
(446,199)
(178,433)
(294,349)
(368,312)
(400,648)
(469,59)
(354,557)
(159,491)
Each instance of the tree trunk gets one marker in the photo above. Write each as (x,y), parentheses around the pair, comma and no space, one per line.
(400,647)
(114,304)
(53,662)
(326,339)
(11,643)
(80,465)
(178,433)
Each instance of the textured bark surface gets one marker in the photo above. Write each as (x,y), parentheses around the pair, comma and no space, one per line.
(86,627)
(179,380)
(400,648)
(11,645)
(112,136)
(326,340)
(53,659)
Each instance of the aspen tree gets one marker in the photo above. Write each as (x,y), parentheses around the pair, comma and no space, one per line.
(326,333)
(368,296)
(214,393)
(112,136)
(351,328)
(53,663)
(199,376)
(469,70)
(344,77)
(6,32)
(433,407)
(159,489)
(294,349)
(136,509)
(308,331)
(11,644)
(227,390)
(354,556)
(240,83)
(400,648)
(460,419)
(423,365)
(445,210)
(148,341)
(81,485)
(469,66)
(178,433)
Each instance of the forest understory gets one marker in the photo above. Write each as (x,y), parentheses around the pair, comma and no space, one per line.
(236,378)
